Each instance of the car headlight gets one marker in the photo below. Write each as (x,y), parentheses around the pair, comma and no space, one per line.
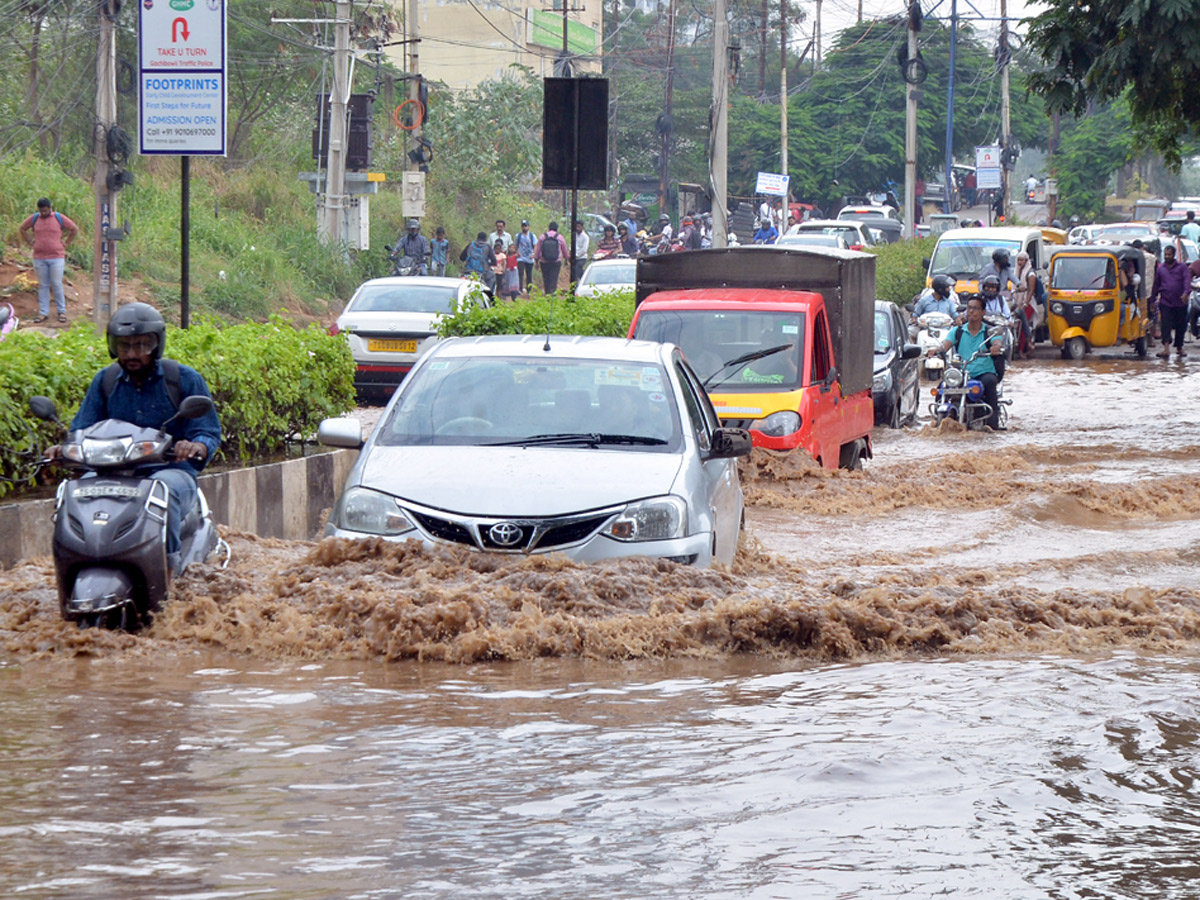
(779,424)
(1056,308)
(657,519)
(371,512)
(954,377)
(882,382)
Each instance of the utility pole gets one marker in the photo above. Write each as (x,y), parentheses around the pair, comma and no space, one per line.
(104,275)
(718,163)
(910,127)
(817,34)
(783,96)
(1007,158)
(949,199)
(331,226)
(667,126)
(414,70)
(1052,199)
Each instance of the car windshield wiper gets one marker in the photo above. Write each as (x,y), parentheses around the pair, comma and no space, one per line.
(590,437)
(745,359)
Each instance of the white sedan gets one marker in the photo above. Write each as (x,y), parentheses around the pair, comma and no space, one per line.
(607,275)
(587,446)
(390,322)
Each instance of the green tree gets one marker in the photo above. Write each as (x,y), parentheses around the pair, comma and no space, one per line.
(1095,51)
(1091,150)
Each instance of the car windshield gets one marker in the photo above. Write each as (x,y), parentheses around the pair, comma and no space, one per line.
(862,214)
(963,258)
(622,274)
(711,338)
(423,298)
(1083,273)
(883,332)
(481,401)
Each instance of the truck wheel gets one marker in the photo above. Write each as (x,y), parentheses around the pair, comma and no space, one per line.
(1075,348)
(851,456)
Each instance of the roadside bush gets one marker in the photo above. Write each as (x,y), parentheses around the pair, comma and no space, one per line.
(899,275)
(269,381)
(606,316)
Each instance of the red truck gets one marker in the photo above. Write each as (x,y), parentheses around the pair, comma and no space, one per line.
(782,338)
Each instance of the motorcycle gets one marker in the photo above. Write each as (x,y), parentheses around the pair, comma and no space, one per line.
(110,522)
(931,331)
(8,320)
(960,397)
(403,265)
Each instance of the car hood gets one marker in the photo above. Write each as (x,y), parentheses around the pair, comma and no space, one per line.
(519,481)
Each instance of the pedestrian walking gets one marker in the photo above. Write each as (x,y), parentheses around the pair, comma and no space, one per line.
(526,242)
(549,253)
(1170,292)
(49,233)
(477,258)
(581,252)
(439,251)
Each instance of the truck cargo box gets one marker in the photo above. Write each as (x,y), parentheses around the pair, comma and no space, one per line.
(845,278)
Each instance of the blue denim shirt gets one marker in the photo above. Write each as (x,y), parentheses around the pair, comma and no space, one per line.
(150,406)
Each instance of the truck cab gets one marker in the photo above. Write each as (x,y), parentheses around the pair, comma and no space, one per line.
(782,339)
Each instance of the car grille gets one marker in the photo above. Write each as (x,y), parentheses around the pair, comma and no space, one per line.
(510,535)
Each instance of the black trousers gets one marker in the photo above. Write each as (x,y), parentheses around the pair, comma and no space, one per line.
(1173,319)
(991,396)
(550,272)
(525,274)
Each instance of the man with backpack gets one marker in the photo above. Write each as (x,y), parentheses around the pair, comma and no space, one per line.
(525,242)
(550,251)
(49,233)
(478,258)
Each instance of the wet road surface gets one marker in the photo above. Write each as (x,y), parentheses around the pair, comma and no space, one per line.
(968,670)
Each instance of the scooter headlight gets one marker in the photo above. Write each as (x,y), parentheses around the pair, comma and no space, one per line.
(105,453)
(954,378)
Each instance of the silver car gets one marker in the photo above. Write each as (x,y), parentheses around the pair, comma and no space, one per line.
(390,322)
(607,276)
(587,446)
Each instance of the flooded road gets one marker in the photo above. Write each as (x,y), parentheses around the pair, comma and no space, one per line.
(969,670)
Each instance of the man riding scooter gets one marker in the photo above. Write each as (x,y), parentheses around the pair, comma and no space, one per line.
(966,340)
(144,389)
(938,297)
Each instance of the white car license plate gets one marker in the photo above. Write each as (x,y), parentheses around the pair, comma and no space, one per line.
(382,345)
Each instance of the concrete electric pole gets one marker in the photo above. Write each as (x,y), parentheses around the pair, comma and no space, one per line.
(331,224)
(910,123)
(104,275)
(1008,155)
(718,163)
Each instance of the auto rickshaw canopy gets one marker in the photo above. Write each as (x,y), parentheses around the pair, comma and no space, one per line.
(1085,278)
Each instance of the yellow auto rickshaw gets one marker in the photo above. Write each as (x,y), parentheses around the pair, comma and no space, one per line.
(1097,298)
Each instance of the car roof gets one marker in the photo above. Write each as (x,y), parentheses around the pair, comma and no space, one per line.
(415,281)
(562,346)
(742,299)
(826,223)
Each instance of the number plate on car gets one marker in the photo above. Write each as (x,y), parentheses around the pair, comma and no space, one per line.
(106,490)
(377,345)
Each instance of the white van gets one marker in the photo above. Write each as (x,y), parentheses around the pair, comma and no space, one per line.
(962,252)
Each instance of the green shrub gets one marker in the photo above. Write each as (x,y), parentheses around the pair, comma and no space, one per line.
(269,381)
(606,316)
(899,275)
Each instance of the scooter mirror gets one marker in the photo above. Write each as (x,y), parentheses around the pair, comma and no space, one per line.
(43,408)
(194,407)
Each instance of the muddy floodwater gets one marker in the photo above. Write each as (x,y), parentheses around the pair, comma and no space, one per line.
(970,670)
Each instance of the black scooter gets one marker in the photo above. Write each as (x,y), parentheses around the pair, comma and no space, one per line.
(110,524)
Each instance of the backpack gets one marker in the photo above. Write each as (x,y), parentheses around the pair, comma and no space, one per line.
(476,257)
(998,362)
(170,369)
(550,248)
(1039,290)
(33,220)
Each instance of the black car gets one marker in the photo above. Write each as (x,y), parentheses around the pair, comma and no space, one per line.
(897,385)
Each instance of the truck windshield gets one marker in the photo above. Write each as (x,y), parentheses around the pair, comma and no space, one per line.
(1083,273)
(963,257)
(711,338)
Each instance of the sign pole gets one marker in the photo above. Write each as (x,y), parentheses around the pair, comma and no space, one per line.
(185,240)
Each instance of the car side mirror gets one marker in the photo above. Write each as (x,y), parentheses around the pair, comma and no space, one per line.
(342,432)
(925,263)
(730,443)
(911,351)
